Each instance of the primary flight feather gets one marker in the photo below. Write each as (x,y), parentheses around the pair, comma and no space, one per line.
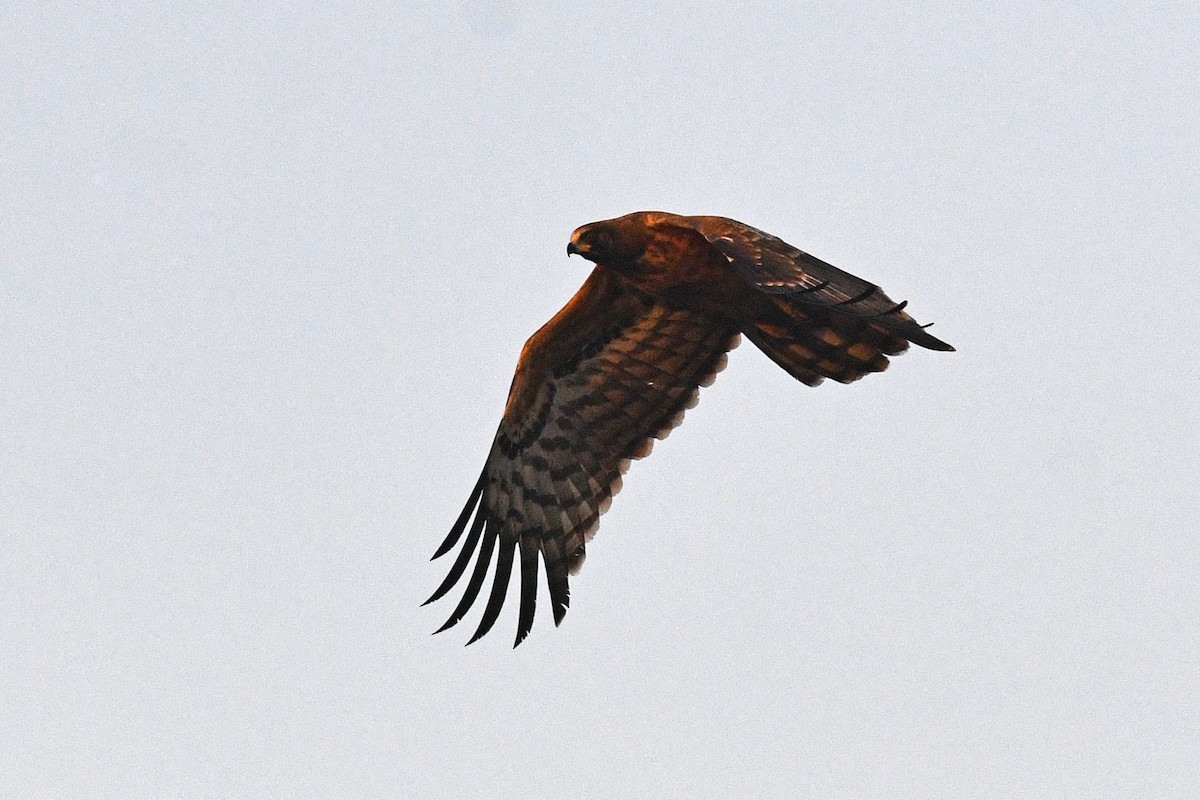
(617,367)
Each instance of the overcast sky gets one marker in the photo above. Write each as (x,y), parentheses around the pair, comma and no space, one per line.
(266,271)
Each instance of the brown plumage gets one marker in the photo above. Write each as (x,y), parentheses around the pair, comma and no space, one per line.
(618,366)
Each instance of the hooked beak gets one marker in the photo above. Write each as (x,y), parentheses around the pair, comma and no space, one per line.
(572,249)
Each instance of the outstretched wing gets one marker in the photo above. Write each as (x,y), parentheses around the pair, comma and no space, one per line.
(776,267)
(818,321)
(612,370)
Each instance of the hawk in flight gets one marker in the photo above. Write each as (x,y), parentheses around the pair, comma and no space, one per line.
(618,366)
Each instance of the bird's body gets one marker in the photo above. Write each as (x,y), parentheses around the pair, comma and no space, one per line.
(619,364)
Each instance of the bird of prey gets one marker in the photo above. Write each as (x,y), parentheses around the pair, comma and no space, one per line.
(617,367)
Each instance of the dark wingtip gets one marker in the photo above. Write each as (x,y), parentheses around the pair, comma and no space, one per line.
(560,592)
(929,341)
(529,577)
(463,517)
(464,557)
(858,298)
(924,338)
(491,612)
(475,584)
(896,309)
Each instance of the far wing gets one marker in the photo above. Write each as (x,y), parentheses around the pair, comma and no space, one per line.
(776,267)
(608,373)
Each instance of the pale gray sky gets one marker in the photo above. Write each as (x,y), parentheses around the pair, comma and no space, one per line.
(266,271)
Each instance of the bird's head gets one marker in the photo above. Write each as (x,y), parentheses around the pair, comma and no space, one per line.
(595,241)
(611,242)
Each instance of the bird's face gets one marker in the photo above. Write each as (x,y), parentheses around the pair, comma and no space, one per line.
(613,242)
(594,242)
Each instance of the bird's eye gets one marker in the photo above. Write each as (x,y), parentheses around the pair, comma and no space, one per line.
(599,240)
